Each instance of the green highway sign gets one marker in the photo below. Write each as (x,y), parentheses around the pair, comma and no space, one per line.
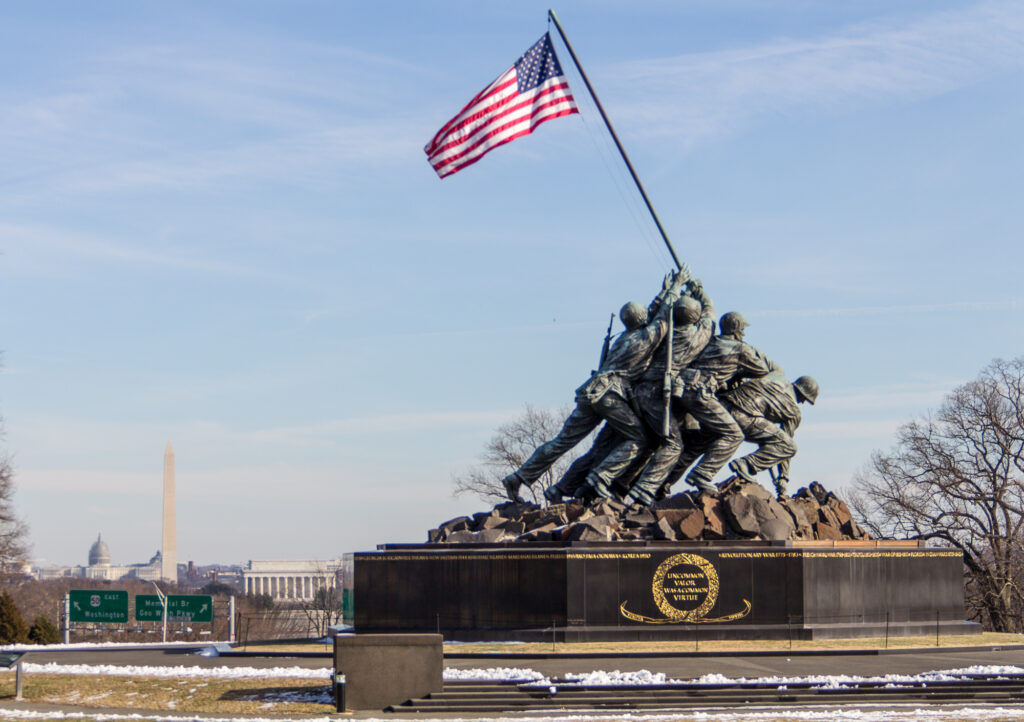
(180,608)
(105,606)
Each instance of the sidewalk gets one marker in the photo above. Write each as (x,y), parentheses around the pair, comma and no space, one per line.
(740,665)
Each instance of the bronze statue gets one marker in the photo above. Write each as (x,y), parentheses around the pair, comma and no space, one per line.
(605,395)
(670,393)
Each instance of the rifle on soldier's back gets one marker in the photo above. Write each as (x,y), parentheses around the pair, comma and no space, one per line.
(607,341)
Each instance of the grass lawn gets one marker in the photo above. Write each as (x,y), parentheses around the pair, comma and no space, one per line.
(224,696)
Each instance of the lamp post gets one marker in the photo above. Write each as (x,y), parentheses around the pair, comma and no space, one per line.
(163,603)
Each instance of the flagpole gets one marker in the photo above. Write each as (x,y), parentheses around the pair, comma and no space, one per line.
(622,151)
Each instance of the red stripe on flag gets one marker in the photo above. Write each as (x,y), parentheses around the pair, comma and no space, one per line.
(495,131)
(446,171)
(528,102)
(487,92)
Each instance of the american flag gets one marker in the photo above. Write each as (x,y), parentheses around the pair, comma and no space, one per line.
(531,91)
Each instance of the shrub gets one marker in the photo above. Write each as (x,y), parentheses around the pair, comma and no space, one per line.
(42,631)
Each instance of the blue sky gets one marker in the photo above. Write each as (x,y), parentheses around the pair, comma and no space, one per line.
(218,228)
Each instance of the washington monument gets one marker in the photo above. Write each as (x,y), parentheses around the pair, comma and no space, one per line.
(169,543)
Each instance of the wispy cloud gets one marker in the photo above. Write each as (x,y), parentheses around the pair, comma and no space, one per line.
(703,95)
(188,118)
(330,431)
(351,437)
(36,249)
(1006,304)
(848,430)
(885,399)
(304,159)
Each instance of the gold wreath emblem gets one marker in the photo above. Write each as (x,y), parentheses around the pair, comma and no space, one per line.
(685,583)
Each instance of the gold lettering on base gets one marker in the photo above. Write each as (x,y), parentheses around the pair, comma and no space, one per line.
(685,588)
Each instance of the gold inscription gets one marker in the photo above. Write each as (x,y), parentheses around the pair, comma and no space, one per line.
(800,554)
(685,588)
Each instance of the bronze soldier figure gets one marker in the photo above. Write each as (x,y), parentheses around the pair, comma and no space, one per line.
(725,360)
(604,396)
(694,326)
(766,411)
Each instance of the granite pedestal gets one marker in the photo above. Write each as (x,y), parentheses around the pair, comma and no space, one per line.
(582,591)
(386,669)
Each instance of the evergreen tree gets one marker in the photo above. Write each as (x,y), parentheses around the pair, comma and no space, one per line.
(13,629)
(42,631)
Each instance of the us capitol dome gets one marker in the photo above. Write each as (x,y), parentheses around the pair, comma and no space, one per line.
(99,554)
(100,567)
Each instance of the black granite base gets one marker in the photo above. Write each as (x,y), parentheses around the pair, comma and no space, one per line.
(661,590)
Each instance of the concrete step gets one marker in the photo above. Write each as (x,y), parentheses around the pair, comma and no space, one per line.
(464,697)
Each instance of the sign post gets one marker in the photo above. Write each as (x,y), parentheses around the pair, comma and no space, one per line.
(162,600)
(67,619)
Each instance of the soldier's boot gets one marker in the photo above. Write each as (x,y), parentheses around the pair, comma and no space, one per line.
(512,484)
(600,487)
(553,494)
(584,493)
(742,469)
(643,492)
(705,486)
(780,487)
(639,496)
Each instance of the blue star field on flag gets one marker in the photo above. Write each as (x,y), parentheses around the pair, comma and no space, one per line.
(537,65)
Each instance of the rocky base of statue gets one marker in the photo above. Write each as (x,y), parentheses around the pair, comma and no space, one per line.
(742,510)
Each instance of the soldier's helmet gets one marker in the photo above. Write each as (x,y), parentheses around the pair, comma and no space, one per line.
(686,311)
(633,315)
(808,388)
(732,322)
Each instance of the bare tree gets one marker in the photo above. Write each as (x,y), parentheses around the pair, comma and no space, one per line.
(958,476)
(326,608)
(510,446)
(14,544)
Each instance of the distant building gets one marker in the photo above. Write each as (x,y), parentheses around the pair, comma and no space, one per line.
(196,577)
(296,579)
(99,567)
(163,565)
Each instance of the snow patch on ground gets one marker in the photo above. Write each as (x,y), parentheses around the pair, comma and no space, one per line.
(616,679)
(645,677)
(523,675)
(496,674)
(320,695)
(95,645)
(111,670)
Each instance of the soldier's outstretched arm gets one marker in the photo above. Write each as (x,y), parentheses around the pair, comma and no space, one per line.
(671,289)
(707,306)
